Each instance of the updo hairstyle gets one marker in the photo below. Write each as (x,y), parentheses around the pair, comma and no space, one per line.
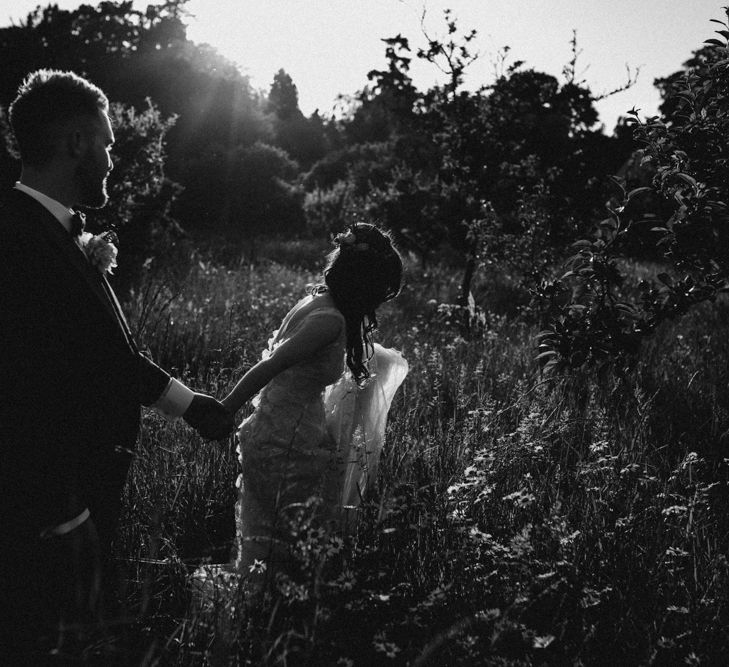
(363,272)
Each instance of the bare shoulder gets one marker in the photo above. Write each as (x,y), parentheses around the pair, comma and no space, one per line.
(319,319)
(315,315)
(323,310)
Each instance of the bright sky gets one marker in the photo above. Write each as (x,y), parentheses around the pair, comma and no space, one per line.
(328,46)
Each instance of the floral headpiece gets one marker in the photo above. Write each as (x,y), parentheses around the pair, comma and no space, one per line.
(100,250)
(348,239)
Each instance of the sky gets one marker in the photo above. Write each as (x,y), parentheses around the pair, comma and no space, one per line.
(328,46)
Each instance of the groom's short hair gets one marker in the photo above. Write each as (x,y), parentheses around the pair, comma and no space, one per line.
(46,101)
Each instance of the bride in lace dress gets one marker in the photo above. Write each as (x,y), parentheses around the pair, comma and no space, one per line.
(317,428)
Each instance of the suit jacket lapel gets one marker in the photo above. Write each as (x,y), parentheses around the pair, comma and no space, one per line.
(56,234)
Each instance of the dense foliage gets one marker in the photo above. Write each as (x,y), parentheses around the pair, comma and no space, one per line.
(599,314)
(423,163)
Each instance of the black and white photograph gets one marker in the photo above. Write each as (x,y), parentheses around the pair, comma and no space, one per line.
(364,332)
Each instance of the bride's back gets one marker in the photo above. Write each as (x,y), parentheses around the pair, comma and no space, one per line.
(323,367)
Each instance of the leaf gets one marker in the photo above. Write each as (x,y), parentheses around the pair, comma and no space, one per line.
(618,183)
(550,366)
(714,42)
(637,191)
(688,179)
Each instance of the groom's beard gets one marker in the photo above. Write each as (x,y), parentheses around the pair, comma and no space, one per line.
(92,183)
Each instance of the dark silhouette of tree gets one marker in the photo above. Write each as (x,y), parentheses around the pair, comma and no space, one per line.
(304,139)
(381,109)
(283,98)
(700,60)
(455,149)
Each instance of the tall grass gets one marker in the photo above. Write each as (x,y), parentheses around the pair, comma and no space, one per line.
(518,519)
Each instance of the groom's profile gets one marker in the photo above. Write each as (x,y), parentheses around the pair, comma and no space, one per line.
(71,377)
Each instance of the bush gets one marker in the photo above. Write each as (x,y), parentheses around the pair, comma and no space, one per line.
(243,193)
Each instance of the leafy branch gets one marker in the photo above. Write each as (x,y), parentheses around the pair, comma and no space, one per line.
(595,315)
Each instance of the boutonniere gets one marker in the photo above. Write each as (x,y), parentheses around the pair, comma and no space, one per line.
(100,250)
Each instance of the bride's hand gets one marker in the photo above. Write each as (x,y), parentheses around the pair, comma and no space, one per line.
(211,419)
(227,403)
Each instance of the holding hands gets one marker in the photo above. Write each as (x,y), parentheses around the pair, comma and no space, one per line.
(210,418)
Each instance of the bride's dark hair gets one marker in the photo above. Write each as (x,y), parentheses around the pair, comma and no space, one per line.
(364,271)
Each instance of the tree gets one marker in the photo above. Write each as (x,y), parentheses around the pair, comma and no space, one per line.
(252,195)
(595,318)
(387,107)
(302,138)
(283,98)
(700,60)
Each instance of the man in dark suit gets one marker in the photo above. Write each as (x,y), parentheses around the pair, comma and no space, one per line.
(71,377)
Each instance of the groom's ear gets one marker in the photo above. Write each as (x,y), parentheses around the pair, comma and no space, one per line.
(76,137)
(75,142)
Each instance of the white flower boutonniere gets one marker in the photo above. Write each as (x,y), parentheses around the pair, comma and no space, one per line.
(100,250)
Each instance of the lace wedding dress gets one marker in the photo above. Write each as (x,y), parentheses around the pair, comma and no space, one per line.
(313,433)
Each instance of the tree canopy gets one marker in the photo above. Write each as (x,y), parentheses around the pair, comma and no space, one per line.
(519,159)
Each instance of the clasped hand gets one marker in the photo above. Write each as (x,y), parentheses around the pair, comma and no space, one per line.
(210,418)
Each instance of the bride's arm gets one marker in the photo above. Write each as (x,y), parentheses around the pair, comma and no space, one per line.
(314,334)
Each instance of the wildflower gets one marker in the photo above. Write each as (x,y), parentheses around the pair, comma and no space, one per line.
(258,567)
(675,510)
(390,649)
(677,610)
(543,642)
(676,552)
(520,498)
(347,580)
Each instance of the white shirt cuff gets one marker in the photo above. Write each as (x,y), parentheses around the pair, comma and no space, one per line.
(175,400)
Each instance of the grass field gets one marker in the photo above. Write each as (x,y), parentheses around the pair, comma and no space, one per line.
(518,519)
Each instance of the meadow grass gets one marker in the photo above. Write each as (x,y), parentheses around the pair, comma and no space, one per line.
(517,519)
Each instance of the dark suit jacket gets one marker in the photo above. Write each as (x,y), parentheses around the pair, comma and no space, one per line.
(71,377)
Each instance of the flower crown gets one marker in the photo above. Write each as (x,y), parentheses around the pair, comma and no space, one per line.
(348,239)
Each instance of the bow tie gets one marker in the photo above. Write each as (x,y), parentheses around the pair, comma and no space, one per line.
(78,223)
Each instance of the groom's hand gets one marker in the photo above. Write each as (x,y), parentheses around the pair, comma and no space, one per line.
(209,417)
